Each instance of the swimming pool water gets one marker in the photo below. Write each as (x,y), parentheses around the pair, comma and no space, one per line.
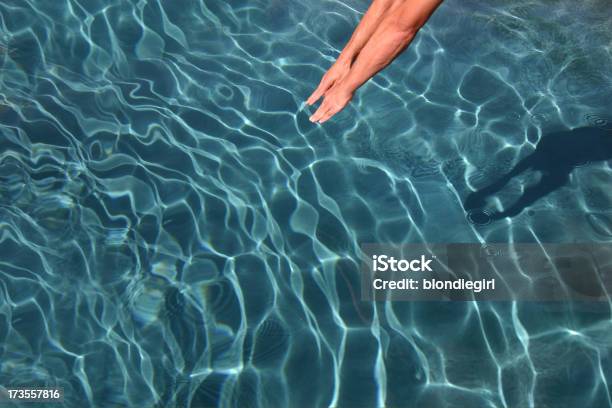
(174,232)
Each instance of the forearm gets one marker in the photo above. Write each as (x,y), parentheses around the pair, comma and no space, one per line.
(375,14)
(392,36)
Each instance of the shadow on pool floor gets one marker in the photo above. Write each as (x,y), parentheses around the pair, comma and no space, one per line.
(556,155)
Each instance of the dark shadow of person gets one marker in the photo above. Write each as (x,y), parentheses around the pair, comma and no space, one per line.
(556,155)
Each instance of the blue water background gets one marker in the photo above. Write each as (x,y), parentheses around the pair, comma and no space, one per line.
(175,232)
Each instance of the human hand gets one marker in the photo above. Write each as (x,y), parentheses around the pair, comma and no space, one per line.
(334,101)
(333,76)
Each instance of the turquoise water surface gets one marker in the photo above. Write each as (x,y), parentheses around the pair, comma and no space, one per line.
(174,232)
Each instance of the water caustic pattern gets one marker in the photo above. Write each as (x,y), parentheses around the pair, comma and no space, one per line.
(174,231)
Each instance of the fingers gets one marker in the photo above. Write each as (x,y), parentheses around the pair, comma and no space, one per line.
(315,96)
(319,112)
(334,100)
(323,86)
(325,111)
(329,113)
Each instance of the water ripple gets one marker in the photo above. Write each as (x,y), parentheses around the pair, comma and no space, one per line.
(175,232)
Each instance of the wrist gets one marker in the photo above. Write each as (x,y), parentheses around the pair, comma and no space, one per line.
(345,59)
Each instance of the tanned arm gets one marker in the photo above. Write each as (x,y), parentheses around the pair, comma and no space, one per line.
(375,14)
(393,34)
(367,26)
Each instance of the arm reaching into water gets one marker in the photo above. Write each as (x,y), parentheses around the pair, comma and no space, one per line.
(365,29)
(387,32)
